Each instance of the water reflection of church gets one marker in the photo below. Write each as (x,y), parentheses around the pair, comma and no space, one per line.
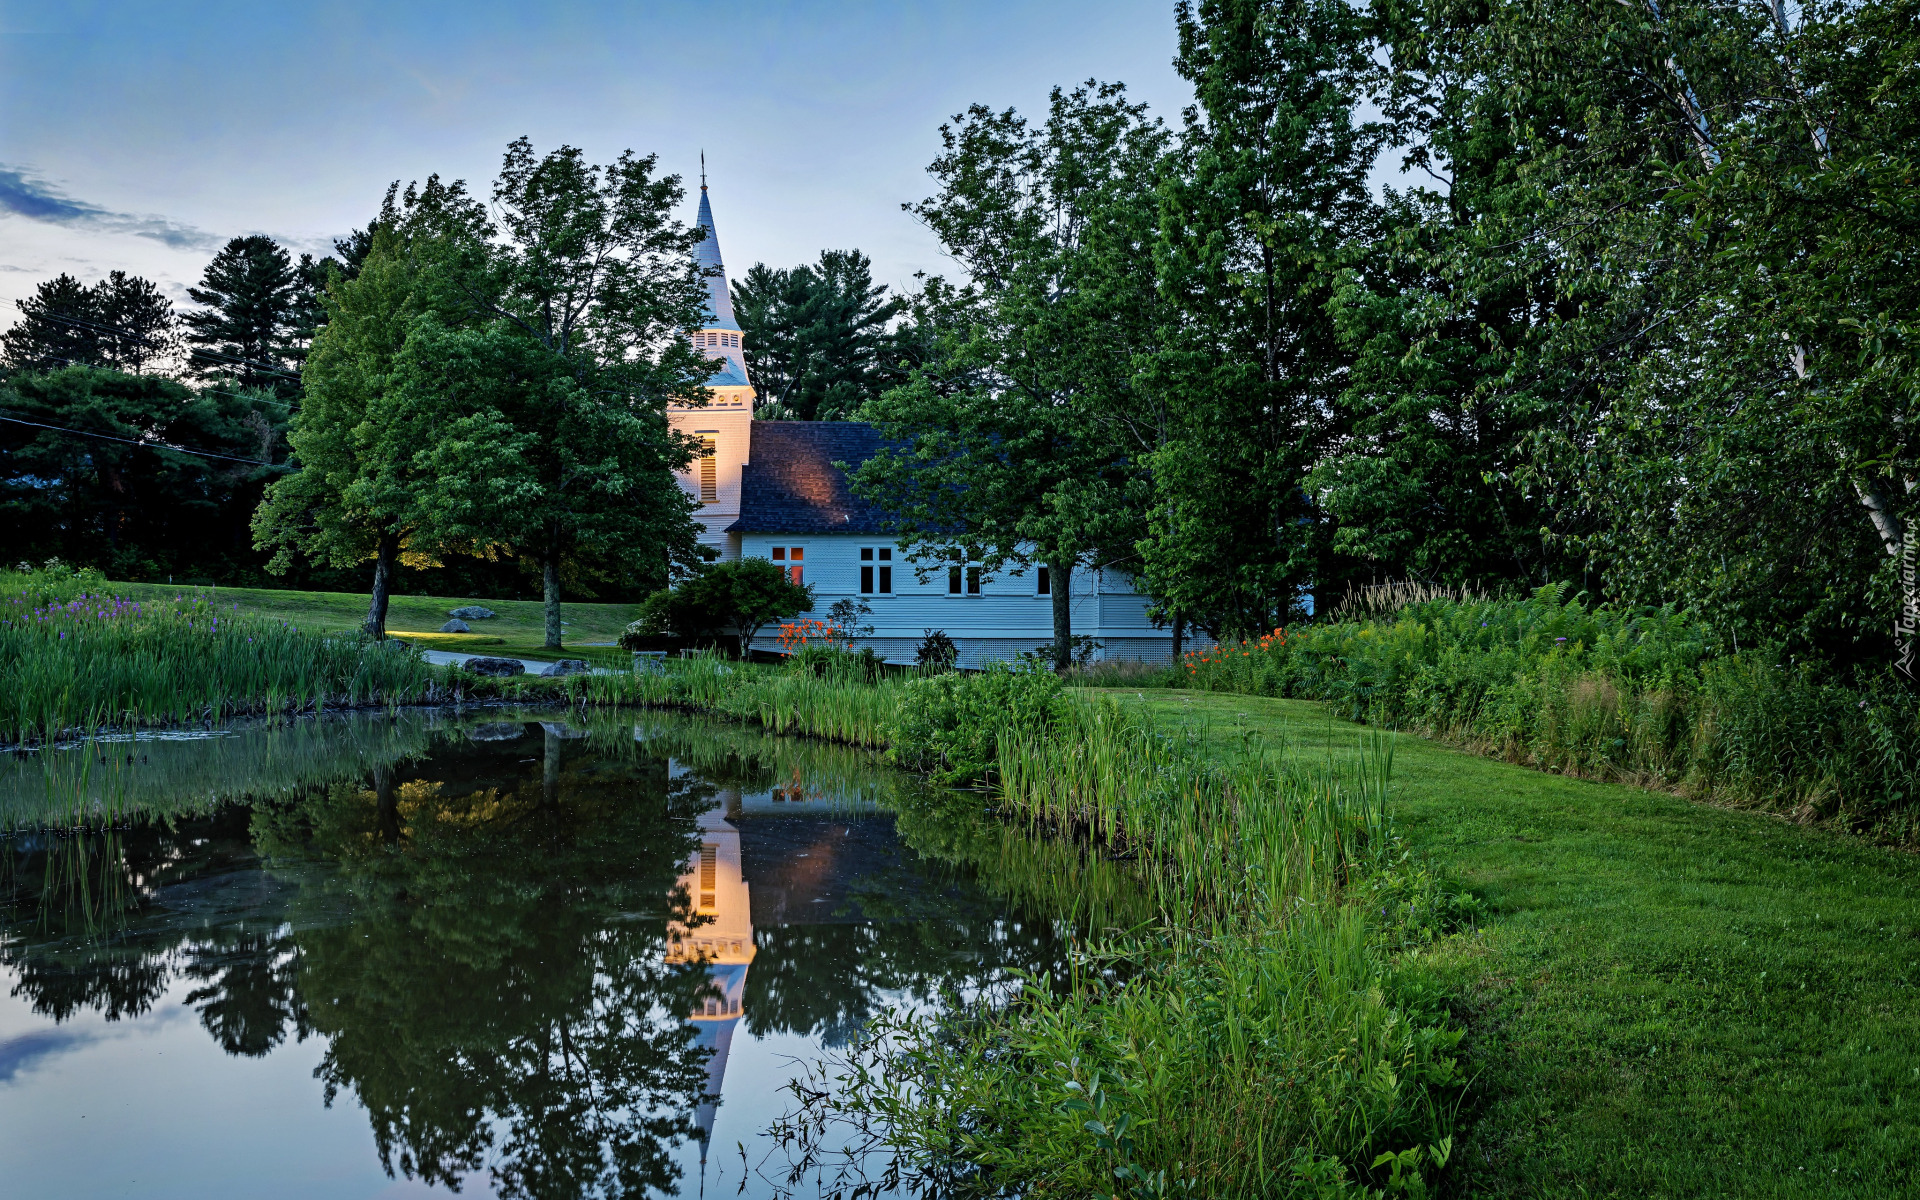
(723,906)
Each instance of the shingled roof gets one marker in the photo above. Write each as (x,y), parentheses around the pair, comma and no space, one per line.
(790,484)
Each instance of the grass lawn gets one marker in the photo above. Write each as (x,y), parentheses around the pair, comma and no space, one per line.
(1665,998)
(517,632)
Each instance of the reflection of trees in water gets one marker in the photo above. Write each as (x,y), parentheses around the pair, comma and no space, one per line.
(828,980)
(479,939)
(87,929)
(499,997)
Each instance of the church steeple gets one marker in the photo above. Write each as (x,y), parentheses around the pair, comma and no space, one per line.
(719,300)
(720,337)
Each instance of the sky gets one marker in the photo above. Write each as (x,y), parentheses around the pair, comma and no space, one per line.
(141,136)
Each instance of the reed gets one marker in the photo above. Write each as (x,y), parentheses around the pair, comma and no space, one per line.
(779,698)
(80,660)
(1259,1037)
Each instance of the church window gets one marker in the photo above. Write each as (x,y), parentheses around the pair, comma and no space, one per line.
(709,870)
(791,555)
(709,471)
(963,575)
(876,570)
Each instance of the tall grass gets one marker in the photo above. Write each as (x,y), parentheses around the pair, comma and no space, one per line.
(1260,1038)
(78,659)
(1641,697)
(779,698)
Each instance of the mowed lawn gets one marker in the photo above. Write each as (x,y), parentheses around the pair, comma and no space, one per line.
(1665,998)
(519,631)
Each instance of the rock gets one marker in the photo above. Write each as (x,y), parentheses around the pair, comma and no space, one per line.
(497,731)
(455,626)
(570,666)
(496,667)
(471,612)
(562,730)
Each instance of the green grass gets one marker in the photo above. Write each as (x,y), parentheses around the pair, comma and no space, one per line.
(519,631)
(1664,998)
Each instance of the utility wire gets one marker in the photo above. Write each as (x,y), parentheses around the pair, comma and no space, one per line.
(290,407)
(143,340)
(132,442)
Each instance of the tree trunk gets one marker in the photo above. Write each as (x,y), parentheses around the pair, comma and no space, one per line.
(387,805)
(1060,587)
(383,559)
(1898,538)
(549,766)
(550,579)
(1179,636)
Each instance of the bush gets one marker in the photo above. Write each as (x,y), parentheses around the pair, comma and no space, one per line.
(949,725)
(738,597)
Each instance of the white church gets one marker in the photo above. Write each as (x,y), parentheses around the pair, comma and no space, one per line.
(769,489)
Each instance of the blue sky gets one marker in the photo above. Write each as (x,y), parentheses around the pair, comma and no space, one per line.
(141,136)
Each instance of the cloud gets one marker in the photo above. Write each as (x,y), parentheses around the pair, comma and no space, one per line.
(22,195)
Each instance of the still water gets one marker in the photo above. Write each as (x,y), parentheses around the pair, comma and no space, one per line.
(497,953)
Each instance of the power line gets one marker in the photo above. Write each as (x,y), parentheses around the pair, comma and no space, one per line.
(132,442)
(261,367)
(289,406)
(123,331)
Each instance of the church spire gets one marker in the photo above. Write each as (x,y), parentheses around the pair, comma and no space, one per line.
(719,301)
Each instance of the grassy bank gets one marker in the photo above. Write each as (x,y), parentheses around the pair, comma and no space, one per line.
(1645,697)
(518,631)
(1258,1036)
(1662,998)
(79,658)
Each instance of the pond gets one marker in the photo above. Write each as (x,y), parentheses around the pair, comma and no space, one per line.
(496,952)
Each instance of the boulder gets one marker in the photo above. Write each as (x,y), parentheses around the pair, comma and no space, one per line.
(471,612)
(497,731)
(496,667)
(570,666)
(455,626)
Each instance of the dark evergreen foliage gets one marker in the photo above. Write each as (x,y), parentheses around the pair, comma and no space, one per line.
(818,340)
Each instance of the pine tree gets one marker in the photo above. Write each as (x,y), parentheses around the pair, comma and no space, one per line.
(59,326)
(256,303)
(818,343)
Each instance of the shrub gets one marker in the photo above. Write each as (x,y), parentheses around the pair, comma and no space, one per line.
(738,597)
(949,725)
(936,653)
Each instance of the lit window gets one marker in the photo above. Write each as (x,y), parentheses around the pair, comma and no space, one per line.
(791,555)
(709,471)
(708,872)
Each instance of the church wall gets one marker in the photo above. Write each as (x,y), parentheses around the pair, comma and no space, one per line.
(731,423)
(1007,618)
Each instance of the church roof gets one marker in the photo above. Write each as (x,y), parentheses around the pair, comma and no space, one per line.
(719,300)
(790,484)
(727,373)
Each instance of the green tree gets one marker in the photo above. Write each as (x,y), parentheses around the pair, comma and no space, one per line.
(541,417)
(817,336)
(256,305)
(353,497)
(1268,200)
(1018,442)
(131,472)
(123,321)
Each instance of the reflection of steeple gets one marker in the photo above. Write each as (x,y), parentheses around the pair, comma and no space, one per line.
(720,936)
